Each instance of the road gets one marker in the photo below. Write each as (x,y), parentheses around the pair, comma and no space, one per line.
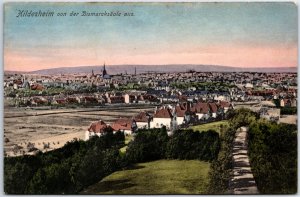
(243,181)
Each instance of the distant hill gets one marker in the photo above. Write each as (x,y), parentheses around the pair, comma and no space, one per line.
(130,69)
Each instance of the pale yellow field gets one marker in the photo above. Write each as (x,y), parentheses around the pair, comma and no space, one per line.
(55,126)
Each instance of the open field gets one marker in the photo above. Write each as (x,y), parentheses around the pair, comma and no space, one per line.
(213,125)
(56,126)
(158,177)
(289,119)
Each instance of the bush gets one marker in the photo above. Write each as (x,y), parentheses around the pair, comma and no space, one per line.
(154,144)
(148,145)
(193,145)
(288,110)
(273,157)
(65,170)
(221,168)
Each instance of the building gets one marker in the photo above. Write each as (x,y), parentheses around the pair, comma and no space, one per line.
(96,128)
(105,75)
(126,125)
(142,120)
(162,117)
(202,110)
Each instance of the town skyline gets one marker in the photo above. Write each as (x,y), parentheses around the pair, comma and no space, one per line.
(236,35)
(169,68)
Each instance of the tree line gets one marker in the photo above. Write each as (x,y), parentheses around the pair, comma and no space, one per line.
(272,150)
(221,168)
(154,144)
(66,170)
(273,156)
(70,169)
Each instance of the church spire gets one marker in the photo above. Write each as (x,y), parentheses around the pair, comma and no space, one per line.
(104,70)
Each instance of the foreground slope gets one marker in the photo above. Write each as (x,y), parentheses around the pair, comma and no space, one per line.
(158,177)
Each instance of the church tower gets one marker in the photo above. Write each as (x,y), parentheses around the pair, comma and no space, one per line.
(104,70)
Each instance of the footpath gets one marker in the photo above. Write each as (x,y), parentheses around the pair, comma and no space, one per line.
(243,181)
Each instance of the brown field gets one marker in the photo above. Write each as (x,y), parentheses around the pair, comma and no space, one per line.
(289,119)
(55,126)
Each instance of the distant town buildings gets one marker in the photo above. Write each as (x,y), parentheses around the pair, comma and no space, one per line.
(180,98)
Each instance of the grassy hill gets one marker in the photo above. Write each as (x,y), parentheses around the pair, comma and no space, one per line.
(158,177)
(213,125)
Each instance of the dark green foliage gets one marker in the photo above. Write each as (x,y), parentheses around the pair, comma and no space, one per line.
(78,164)
(66,170)
(277,102)
(242,117)
(148,145)
(93,166)
(18,171)
(52,179)
(273,157)
(288,110)
(155,144)
(221,168)
(193,145)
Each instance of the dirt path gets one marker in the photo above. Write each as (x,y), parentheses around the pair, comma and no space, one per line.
(243,181)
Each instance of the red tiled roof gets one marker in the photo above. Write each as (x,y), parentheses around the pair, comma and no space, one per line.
(117,99)
(213,107)
(122,124)
(37,87)
(18,82)
(141,117)
(97,127)
(201,108)
(224,104)
(180,110)
(163,113)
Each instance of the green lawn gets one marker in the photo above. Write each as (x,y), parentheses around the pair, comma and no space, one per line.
(158,177)
(213,125)
(127,140)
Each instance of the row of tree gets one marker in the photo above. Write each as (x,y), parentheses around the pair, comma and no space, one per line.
(66,170)
(273,156)
(79,164)
(272,150)
(155,144)
(221,168)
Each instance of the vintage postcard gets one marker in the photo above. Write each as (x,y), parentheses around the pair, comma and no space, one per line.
(150,98)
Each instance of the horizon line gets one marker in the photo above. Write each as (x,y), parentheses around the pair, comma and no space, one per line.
(241,67)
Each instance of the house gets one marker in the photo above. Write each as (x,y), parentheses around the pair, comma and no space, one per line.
(162,117)
(288,103)
(129,98)
(60,101)
(35,101)
(115,99)
(142,120)
(96,128)
(202,110)
(126,125)
(180,110)
(214,110)
(89,100)
(225,106)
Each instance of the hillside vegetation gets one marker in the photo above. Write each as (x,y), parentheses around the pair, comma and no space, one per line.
(157,177)
(216,126)
(273,157)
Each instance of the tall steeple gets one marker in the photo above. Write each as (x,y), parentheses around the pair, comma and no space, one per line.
(104,70)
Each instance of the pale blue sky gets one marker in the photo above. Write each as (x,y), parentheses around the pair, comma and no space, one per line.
(154,29)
